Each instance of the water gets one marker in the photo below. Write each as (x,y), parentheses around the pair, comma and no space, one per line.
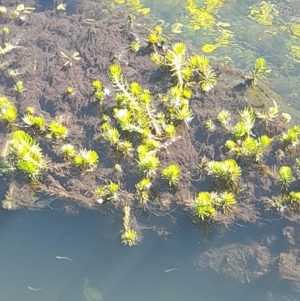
(161,267)
(31,240)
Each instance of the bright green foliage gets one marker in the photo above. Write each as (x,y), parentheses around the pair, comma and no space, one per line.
(285,176)
(224,118)
(148,163)
(126,148)
(271,114)
(136,113)
(113,190)
(142,189)
(170,131)
(184,114)
(155,38)
(86,159)
(19,88)
(68,151)
(248,119)
(99,94)
(203,205)
(184,68)
(111,134)
(227,170)
(34,121)
(208,79)
(97,85)
(8,112)
(29,155)
(70,91)
(227,201)
(58,130)
(258,73)
(290,138)
(249,147)
(294,200)
(129,236)
(171,174)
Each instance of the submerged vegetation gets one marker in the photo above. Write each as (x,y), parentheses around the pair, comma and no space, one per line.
(145,126)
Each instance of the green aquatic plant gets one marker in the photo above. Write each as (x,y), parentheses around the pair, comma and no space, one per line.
(19,87)
(29,156)
(97,84)
(285,176)
(224,117)
(203,206)
(57,129)
(227,171)
(290,138)
(171,174)
(68,151)
(206,73)
(155,38)
(249,147)
(70,91)
(226,201)
(86,159)
(258,73)
(98,88)
(271,114)
(148,163)
(243,128)
(34,121)
(3,10)
(135,46)
(5,30)
(129,236)
(8,111)
(142,189)
(135,112)
(113,191)
(210,126)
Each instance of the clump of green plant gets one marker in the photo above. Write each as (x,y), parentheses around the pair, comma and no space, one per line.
(109,192)
(19,87)
(155,38)
(148,163)
(20,12)
(143,190)
(187,69)
(57,129)
(68,151)
(271,114)
(243,142)
(290,138)
(98,89)
(258,73)
(27,154)
(34,121)
(171,174)
(8,111)
(207,204)
(285,176)
(203,206)
(226,171)
(86,159)
(129,236)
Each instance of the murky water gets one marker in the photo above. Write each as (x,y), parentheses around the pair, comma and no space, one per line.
(48,255)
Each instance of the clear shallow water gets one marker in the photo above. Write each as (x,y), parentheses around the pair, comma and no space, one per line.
(30,242)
